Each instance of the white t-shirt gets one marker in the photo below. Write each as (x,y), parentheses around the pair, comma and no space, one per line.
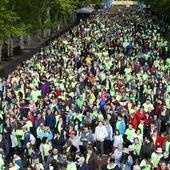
(32,139)
(117,140)
(147,106)
(100,133)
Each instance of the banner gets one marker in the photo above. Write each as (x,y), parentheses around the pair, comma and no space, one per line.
(125,3)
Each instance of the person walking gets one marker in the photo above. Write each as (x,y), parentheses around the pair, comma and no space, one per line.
(100,135)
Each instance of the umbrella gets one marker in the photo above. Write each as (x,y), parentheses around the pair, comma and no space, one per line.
(85,10)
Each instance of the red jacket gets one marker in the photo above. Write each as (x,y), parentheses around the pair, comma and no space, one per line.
(139,116)
(159,142)
(120,86)
(132,120)
(31,118)
(127,105)
(158,108)
(159,168)
(152,70)
(145,43)
(58,93)
(148,121)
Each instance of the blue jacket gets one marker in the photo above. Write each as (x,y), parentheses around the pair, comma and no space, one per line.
(49,135)
(129,163)
(19,163)
(102,104)
(50,121)
(84,167)
(26,139)
(122,127)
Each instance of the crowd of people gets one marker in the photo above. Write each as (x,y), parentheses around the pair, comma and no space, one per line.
(98,97)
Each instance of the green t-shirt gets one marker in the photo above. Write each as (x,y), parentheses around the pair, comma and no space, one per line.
(145,165)
(94,115)
(20,133)
(168,61)
(100,117)
(155,158)
(39,132)
(35,94)
(168,88)
(167,103)
(78,116)
(137,148)
(128,70)
(71,166)
(130,133)
(145,76)
(129,77)
(107,65)
(46,149)
(167,146)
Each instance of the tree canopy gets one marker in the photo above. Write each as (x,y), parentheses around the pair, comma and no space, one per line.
(19,17)
(159,6)
(9,22)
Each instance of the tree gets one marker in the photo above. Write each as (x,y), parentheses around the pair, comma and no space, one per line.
(87,2)
(162,7)
(9,25)
(25,17)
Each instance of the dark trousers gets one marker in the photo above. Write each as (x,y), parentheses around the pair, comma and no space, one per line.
(100,147)
(83,149)
(107,147)
(126,141)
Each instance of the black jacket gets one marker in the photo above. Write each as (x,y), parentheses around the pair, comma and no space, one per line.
(146,150)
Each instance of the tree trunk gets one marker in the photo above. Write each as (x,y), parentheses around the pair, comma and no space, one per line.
(48,20)
(28,40)
(49,33)
(9,47)
(73,17)
(63,21)
(58,27)
(39,32)
(44,33)
(21,42)
(0,52)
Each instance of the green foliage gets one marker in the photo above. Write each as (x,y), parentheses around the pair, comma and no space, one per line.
(64,6)
(160,6)
(29,12)
(87,2)
(19,17)
(8,22)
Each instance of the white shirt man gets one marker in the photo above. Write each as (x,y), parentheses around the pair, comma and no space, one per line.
(100,132)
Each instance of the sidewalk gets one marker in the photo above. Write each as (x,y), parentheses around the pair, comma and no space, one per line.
(7,66)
